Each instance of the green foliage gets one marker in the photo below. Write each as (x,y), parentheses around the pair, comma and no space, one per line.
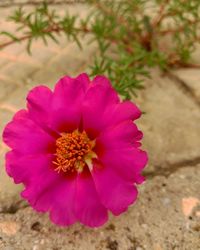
(131,35)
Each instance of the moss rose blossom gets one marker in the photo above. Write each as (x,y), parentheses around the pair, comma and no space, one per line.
(76,149)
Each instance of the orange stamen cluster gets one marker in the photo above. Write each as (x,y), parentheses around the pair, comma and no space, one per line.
(73,150)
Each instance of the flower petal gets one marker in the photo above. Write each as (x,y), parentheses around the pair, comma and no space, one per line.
(115,193)
(123,111)
(40,182)
(118,113)
(66,103)
(63,198)
(22,113)
(84,80)
(102,80)
(123,135)
(98,99)
(89,209)
(39,103)
(24,136)
(45,189)
(24,168)
(128,163)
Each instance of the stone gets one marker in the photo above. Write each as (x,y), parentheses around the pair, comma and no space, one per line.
(188,204)
(4,61)
(71,61)
(6,87)
(20,70)
(191,78)
(9,228)
(17,99)
(40,53)
(195,57)
(171,123)
(157,247)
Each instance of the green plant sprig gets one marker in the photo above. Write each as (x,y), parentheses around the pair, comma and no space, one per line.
(131,35)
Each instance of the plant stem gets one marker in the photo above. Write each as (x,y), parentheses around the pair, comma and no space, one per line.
(161,14)
(34,3)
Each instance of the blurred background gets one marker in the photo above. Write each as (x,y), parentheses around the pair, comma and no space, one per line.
(150,50)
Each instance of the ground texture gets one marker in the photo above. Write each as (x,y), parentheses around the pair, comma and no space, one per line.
(167,213)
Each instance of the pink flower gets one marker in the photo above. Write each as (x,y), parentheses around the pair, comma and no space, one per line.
(76,150)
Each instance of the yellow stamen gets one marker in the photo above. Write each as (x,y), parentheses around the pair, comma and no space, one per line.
(73,152)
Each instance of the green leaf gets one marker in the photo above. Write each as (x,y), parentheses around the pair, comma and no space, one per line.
(13,37)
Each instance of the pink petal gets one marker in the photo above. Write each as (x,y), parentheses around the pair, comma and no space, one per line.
(24,136)
(101,107)
(115,193)
(98,99)
(100,79)
(124,111)
(44,191)
(66,103)
(22,113)
(123,135)
(118,113)
(89,209)
(45,188)
(41,200)
(63,198)
(40,184)
(24,168)
(84,79)
(128,163)
(39,107)
(39,103)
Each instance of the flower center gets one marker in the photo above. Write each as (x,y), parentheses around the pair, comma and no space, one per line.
(73,152)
